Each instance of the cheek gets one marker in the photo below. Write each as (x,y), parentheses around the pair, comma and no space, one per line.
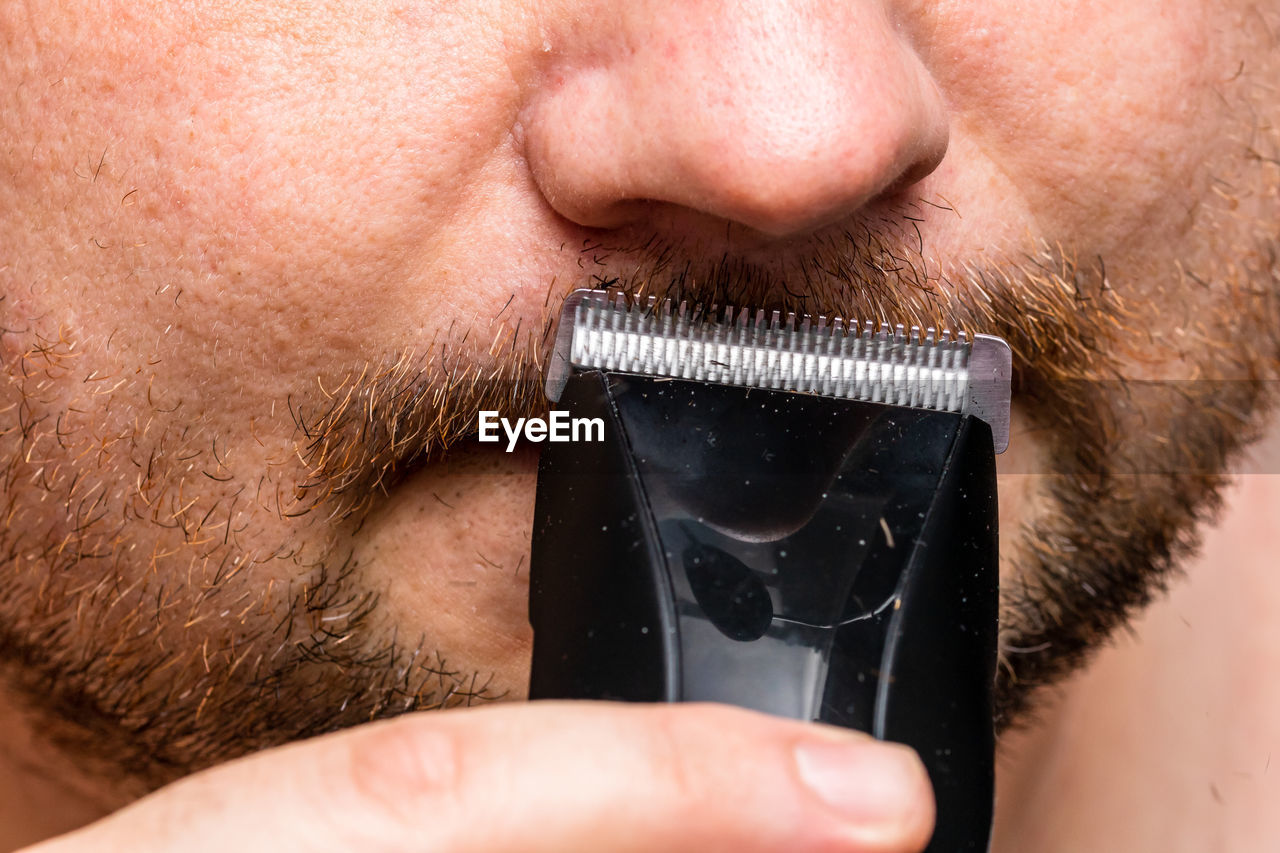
(306,188)
(243,152)
(264,194)
(1098,113)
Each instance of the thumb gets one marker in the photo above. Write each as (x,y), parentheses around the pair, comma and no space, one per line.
(541,777)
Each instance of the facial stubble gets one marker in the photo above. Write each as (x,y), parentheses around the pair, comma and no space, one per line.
(160,672)
(138,627)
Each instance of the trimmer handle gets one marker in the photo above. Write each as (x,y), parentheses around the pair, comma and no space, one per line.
(810,557)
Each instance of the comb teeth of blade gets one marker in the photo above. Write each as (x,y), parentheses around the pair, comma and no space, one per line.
(740,347)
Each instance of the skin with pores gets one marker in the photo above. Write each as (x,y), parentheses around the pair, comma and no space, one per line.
(263,264)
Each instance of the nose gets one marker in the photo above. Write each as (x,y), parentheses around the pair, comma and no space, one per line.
(781,115)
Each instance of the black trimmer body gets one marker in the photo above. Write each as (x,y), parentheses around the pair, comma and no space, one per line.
(816,558)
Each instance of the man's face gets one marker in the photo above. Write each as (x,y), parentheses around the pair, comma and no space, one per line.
(263,262)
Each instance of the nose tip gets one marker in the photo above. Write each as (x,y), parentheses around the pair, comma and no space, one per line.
(792,169)
(761,121)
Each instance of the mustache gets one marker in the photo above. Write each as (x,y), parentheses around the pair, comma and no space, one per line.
(360,435)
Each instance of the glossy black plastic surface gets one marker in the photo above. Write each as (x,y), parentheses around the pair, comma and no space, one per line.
(815,558)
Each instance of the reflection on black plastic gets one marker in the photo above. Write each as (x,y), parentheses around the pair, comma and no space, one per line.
(732,597)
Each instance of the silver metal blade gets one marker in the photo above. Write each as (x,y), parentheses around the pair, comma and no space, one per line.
(826,356)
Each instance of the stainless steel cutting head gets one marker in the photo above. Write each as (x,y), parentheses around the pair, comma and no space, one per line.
(801,354)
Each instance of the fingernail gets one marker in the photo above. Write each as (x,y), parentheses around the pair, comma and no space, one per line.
(869,783)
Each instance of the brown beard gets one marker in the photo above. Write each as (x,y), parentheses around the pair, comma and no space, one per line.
(134,618)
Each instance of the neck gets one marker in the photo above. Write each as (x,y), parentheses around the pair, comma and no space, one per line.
(1165,741)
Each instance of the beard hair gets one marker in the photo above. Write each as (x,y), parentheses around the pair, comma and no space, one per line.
(134,623)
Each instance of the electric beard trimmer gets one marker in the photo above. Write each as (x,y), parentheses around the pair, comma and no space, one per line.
(789,515)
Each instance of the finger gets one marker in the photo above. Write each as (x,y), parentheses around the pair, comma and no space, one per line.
(544,777)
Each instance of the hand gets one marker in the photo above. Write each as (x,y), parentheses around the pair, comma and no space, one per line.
(543,776)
